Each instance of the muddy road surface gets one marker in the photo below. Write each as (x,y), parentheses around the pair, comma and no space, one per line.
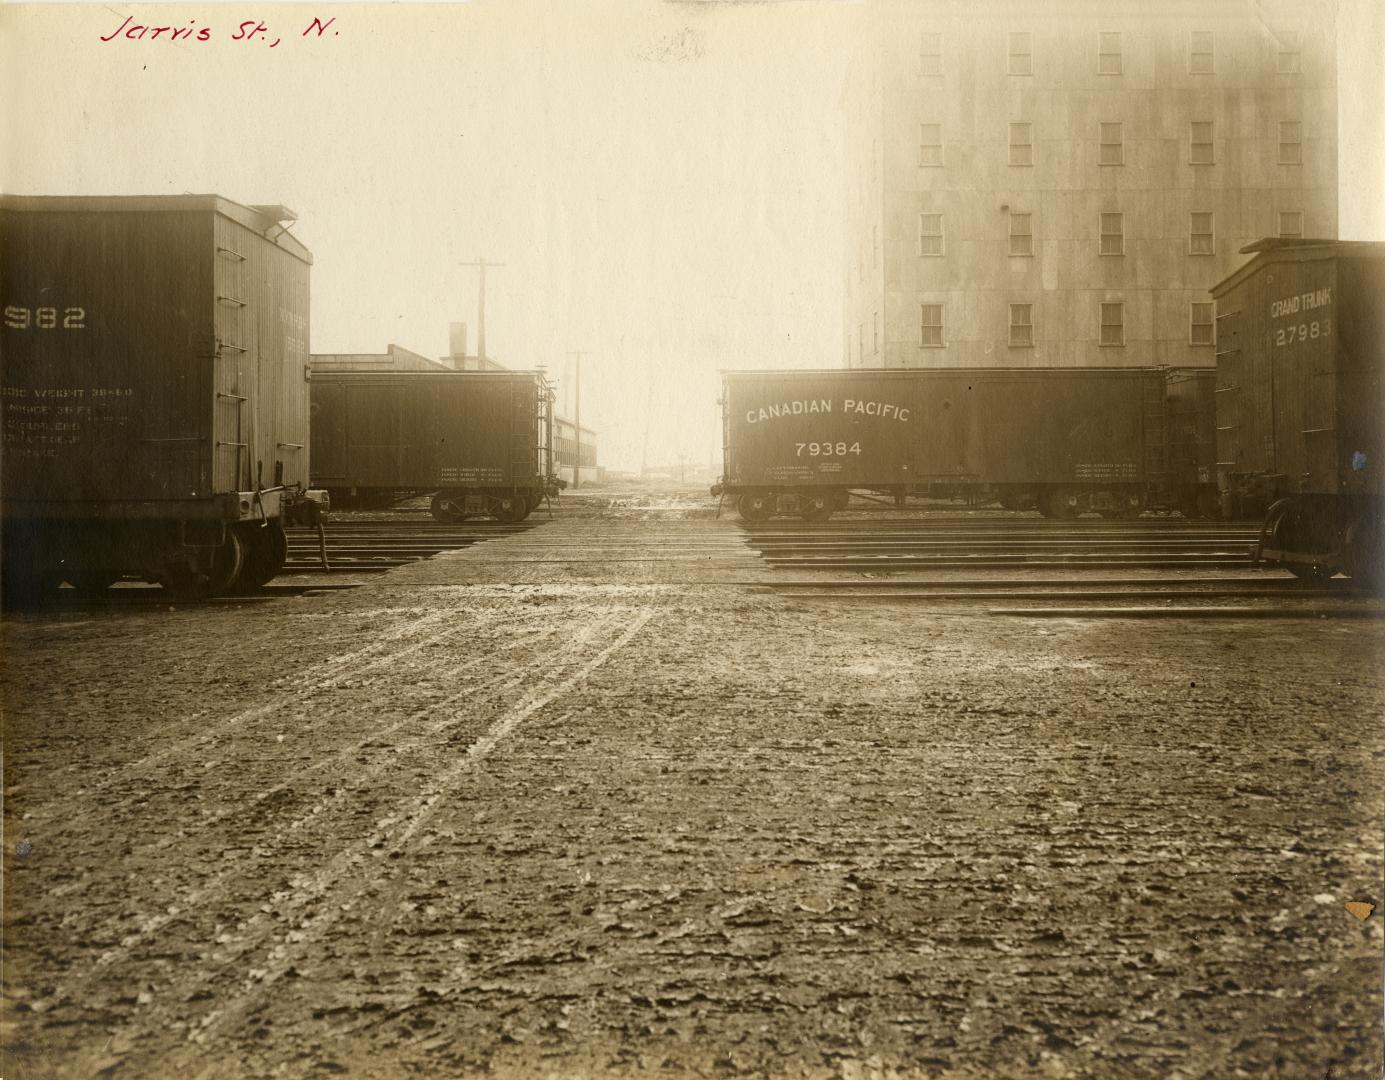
(568,804)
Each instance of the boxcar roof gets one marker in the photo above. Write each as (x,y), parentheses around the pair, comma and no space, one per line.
(1276,249)
(267,220)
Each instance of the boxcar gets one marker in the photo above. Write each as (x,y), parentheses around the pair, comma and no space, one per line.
(1190,435)
(154,394)
(480,441)
(1065,440)
(1300,417)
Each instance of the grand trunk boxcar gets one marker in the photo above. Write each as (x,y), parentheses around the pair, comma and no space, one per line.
(154,393)
(481,441)
(1065,440)
(1300,415)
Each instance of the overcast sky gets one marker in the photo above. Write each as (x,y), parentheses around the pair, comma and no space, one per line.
(663,181)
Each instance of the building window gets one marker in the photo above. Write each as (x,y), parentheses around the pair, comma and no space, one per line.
(1201,239)
(931,326)
(931,54)
(1291,224)
(1112,148)
(1021,61)
(1022,144)
(930,144)
(1021,234)
(1200,142)
(1200,53)
(1021,326)
(930,234)
(1112,324)
(1289,60)
(1112,234)
(1108,53)
(1290,142)
(1200,330)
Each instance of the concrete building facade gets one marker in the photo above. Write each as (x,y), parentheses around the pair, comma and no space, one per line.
(1039,185)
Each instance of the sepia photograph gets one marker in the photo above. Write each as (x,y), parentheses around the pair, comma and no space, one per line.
(618,539)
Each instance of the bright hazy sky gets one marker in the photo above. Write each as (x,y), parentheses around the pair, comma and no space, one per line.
(664,181)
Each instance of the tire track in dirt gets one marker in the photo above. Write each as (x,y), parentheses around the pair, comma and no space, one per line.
(321,892)
(211,888)
(320,763)
(78,808)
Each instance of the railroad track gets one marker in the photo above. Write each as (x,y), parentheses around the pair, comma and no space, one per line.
(888,553)
(968,543)
(356,547)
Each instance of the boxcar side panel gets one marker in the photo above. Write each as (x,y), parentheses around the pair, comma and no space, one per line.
(425,430)
(1191,435)
(1036,426)
(1297,338)
(106,342)
(272,286)
(1359,413)
(373,434)
(479,448)
(330,448)
(821,427)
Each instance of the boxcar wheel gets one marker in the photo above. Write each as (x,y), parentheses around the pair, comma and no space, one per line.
(1061,504)
(266,551)
(816,508)
(517,512)
(753,507)
(448,508)
(185,583)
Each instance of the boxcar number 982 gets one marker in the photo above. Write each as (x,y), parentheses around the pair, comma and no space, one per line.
(45,318)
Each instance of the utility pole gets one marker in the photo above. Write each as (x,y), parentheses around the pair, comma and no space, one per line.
(481,264)
(577,420)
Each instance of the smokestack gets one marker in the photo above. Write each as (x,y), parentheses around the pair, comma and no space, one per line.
(457,340)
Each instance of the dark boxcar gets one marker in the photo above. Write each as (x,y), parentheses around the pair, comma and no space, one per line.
(481,441)
(1065,439)
(1300,417)
(155,411)
(1191,437)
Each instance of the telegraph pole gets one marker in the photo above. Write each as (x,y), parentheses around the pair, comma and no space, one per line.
(577,420)
(481,264)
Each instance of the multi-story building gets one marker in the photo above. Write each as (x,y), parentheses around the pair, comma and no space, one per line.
(1061,183)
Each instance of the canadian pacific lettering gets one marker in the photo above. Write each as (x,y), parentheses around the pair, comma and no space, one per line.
(807,407)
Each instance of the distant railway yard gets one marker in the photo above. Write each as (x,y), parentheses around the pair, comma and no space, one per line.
(630,788)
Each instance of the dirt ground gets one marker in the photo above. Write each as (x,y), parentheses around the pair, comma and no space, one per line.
(561,805)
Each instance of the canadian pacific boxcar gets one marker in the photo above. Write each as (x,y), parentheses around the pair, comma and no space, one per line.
(1063,439)
(479,441)
(1300,415)
(154,400)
